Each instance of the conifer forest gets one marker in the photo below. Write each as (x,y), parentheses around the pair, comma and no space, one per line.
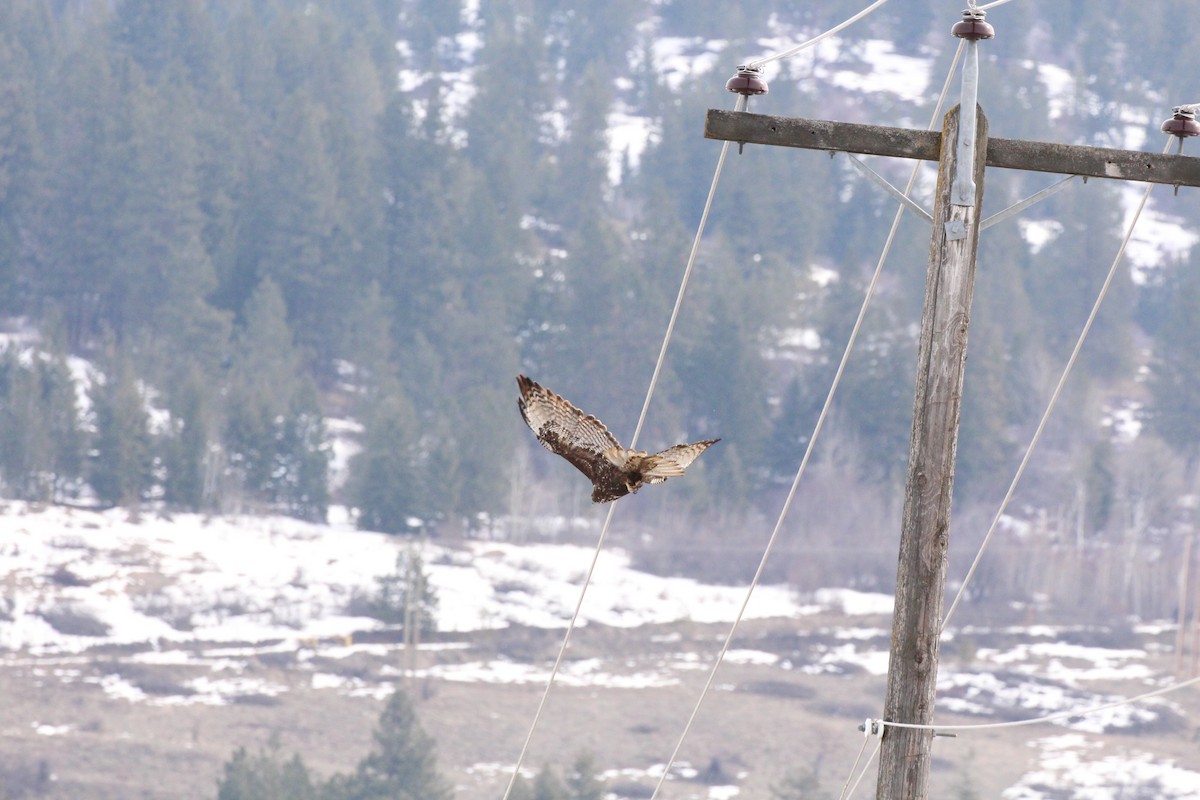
(284,259)
(240,230)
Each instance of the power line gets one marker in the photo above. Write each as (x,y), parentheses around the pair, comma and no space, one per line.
(805,45)
(662,354)
(846,795)
(846,787)
(1037,434)
(811,442)
(992,4)
(1037,720)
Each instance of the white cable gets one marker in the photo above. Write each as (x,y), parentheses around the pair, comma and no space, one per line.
(809,449)
(866,767)
(687,274)
(1037,434)
(537,715)
(758,63)
(992,4)
(853,767)
(662,354)
(1049,717)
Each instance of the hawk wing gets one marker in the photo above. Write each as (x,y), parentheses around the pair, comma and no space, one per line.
(669,463)
(564,429)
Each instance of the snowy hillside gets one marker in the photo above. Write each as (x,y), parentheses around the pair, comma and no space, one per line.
(77,579)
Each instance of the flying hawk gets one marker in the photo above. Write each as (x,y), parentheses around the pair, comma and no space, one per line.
(584,441)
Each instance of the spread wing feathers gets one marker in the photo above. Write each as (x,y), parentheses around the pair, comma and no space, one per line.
(562,428)
(669,463)
(584,441)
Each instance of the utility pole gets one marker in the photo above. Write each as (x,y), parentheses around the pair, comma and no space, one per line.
(962,150)
(924,532)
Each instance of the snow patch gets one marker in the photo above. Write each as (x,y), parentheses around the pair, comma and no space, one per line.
(1072,765)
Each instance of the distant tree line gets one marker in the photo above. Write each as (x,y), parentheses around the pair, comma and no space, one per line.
(253,216)
(402,765)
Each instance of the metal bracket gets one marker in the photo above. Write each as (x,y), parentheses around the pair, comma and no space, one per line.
(963,190)
(886,185)
(956,229)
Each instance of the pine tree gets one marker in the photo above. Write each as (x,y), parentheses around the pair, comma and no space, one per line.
(188,446)
(800,786)
(387,484)
(430,21)
(295,220)
(19,156)
(119,471)
(63,460)
(401,767)
(265,776)
(546,786)
(582,783)
(83,171)
(301,463)
(274,432)
(1066,275)
(1174,414)
(21,435)
(165,276)
(391,601)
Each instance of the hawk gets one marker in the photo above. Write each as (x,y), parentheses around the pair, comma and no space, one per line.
(584,441)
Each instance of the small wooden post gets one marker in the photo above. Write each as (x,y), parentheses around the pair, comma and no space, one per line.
(904,756)
(410,615)
(1195,670)
(1185,568)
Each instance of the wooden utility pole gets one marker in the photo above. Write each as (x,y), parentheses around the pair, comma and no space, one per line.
(905,754)
(924,532)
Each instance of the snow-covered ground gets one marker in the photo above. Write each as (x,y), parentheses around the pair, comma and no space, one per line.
(1072,768)
(211,597)
(75,579)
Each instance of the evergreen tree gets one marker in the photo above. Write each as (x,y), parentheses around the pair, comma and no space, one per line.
(290,238)
(301,463)
(1174,415)
(579,192)
(387,484)
(511,92)
(547,786)
(84,170)
(274,432)
(188,445)
(19,156)
(119,471)
(21,435)
(391,601)
(430,21)
(1066,275)
(265,776)
(165,274)
(800,786)
(582,783)
(41,444)
(402,765)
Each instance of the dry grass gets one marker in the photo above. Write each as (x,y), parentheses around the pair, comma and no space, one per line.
(759,724)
